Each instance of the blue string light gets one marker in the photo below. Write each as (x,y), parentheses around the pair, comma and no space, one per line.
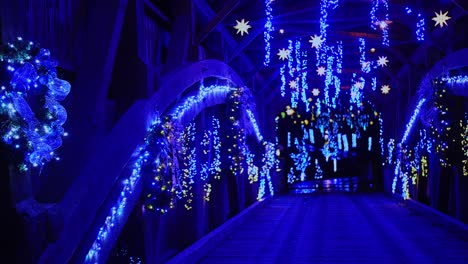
(291,58)
(345,143)
(459,79)
(301,159)
(283,81)
(339,58)
(297,71)
(254,123)
(304,84)
(325,7)
(268,161)
(390,150)
(374,20)
(328,78)
(318,171)
(381,140)
(268,29)
(421,28)
(252,170)
(398,173)
(215,168)
(412,120)
(365,65)
(382,23)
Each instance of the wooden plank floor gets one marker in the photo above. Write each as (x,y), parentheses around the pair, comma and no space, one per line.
(338,228)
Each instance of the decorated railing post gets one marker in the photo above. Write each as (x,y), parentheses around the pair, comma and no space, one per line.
(31,120)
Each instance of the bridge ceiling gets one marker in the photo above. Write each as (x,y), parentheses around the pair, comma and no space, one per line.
(409,59)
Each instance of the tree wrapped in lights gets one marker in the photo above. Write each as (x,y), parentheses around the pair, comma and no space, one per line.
(31,117)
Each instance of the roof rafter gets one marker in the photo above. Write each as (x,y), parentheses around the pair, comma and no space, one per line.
(208,12)
(220,16)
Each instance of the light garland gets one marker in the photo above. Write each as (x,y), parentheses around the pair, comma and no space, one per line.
(459,79)
(420,28)
(291,58)
(268,161)
(206,145)
(398,173)
(189,170)
(252,170)
(339,57)
(383,24)
(318,171)
(345,143)
(33,78)
(328,79)
(215,168)
(301,159)
(464,146)
(365,65)
(194,101)
(116,212)
(413,118)
(254,123)
(374,83)
(325,7)
(304,84)
(283,81)
(268,29)
(381,140)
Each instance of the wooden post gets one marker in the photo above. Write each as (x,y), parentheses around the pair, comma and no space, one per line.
(9,231)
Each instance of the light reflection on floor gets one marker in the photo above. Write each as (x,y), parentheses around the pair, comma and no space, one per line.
(349,184)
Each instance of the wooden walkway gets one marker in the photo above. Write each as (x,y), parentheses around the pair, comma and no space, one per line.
(338,228)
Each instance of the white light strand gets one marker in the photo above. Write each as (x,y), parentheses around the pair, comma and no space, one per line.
(283,81)
(268,29)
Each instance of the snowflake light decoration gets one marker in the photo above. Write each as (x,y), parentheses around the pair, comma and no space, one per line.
(359,85)
(242,27)
(316,41)
(284,54)
(441,19)
(321,71)
(293,84)
(315,92)
(382,61)
(385,89)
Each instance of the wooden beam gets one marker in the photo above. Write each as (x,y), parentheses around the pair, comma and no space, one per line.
(208,12)
(227,9)
(246,42)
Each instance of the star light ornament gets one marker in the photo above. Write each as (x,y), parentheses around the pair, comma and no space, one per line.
(242,27)
(293,84)
(382,61)
(385,89)
(283,54)
(359,85)
(315,92)
(316,41)
(441,19)
(321,71)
